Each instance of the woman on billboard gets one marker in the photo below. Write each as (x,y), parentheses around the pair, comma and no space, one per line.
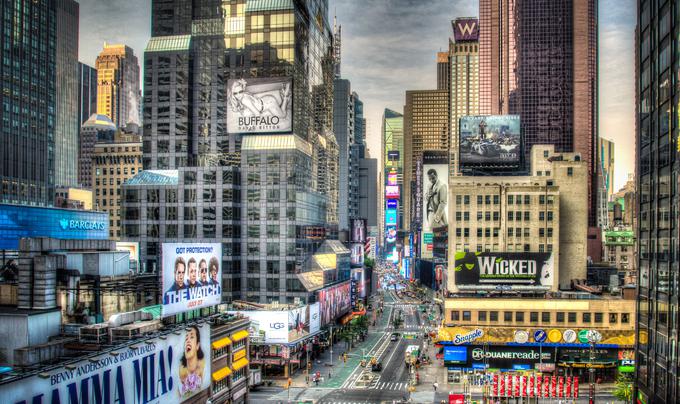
(191,364)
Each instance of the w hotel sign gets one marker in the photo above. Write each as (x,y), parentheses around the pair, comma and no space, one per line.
(465,29)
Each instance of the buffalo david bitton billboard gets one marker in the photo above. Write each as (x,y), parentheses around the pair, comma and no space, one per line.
(503,270)
(260,105)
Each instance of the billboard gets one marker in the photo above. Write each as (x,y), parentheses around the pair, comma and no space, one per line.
(392,204)
(392,178)
(284,326)
(465,30)
(169,370)
(357,256)
(358,230)
(390,217)
(372,247)
(393,155)
(490,140)
(391,234)
(334,301)
(508,270)
(192,276)
(260,105)
(435,197)
(392,191)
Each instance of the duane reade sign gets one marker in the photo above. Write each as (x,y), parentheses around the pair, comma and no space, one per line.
(260,105)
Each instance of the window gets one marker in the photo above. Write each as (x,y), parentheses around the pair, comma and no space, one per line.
(511,215)
(510,231)
(527,216)
(560,317)
(458,232)
(479,216)
(459,199)
(481,316)
(570,171)
(533,317)
(527,199)
(487,216)
(545,317)
(466,232)
(479,199)
(541,216)
(511,199)
(625,317)
(467,316)
(479,232)
(459,216)
(519,316)
(586,317)
(541,199)
(613,318)
(455,315)
(496,199)
(571,316)
(598,317)
(493,315)
(466,216)
(550,232)
(507,316)
(466,199)
(550,216)
(541,232)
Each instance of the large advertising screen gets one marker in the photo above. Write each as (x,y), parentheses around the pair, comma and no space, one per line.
(390,234)
(435,197)
(392,191)
(390,217)
(260,105)
(358,230)
(392,178)
(357,256)
(480,270)
(192,276)
(334,301)
(490,140)
(284,326)
(169,370)
(392,203)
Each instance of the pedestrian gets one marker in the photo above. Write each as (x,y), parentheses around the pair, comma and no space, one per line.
(329,374)
(435,385)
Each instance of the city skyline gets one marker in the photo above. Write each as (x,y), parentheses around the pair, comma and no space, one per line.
(374,33)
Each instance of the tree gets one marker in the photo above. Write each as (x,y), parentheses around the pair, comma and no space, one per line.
(624,388)
(369,262)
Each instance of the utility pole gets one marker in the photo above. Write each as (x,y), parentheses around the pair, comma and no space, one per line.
(331,345)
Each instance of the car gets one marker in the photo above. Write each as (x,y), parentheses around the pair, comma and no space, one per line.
(394,337)
(376,367)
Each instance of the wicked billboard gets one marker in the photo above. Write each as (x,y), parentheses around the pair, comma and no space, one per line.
(489,270)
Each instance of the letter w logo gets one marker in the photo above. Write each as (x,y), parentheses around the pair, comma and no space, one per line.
(467,29)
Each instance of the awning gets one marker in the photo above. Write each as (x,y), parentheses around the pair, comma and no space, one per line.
(221,343)
(237,336)
(239,364)
(221,374)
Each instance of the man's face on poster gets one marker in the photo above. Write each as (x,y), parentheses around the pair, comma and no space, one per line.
(433,177)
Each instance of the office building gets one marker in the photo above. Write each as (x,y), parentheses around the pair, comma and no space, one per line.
(87,92)
(73,198)
(66,125)
(118,84)
(498,79)
(544,212)
(557,84)
(98,128)
(464,94)
(605,180)
(443,71)
(27,166)
(343,127)
(426,127)
(618,246)
(208,179)
(113,163)
(392,149)
(369,197)
(658,365)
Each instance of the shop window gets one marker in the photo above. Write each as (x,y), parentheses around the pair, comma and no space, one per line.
(239,374)
(481,316)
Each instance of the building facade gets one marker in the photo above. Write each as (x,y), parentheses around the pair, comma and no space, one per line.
(426,127)
(618,245)
(605,180)
(464,96)
(87,92)
(118,84)
(658,366)
(443,71)
(27,168)
(497,57)
(392,149)
(369,196)
(344,129)
(113,163)
(98,128)
(541,213)
(66,123)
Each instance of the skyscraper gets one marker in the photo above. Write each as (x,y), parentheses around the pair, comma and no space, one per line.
(87,92)
(464,93)
(27,118)
(118,84)
(426,127)
(443,71)
(605,180)
(497,57)
(264,193)
(66,124)
(392,149)
(556,69)
(657,361)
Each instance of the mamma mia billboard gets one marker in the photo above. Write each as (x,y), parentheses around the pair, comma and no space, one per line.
(167,371)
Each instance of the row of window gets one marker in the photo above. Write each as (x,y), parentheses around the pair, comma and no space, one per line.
(508,248)
(99,171)
(512,232)
(545,317)
(512,199)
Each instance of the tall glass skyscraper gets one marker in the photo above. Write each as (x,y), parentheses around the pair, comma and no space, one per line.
(28,98)
(268,197)
(658,170)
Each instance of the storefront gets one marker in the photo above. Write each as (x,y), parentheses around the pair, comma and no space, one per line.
(578,361)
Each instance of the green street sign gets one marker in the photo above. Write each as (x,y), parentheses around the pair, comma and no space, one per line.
(583,336)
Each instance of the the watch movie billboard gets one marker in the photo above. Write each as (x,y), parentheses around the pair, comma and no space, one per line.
(170,369)
(260,105)
(492,140)
(490,270)
(192,276)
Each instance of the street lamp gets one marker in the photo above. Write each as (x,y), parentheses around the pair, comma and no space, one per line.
(593,337)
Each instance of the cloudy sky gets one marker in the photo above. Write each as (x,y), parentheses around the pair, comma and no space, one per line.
(389,46)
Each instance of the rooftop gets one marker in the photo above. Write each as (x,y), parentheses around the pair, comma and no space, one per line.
(155,177)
